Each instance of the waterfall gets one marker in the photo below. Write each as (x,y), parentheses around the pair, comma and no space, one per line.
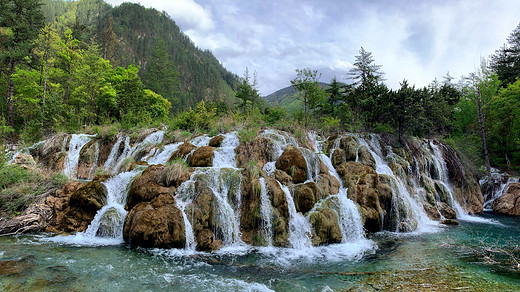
(95,163)
(224,156)
(162,155)
(190,237)
(114,162)
(299,226)
(265,211)
(413,208)
(350,221)
(444,179)
(488,205)
(71,161)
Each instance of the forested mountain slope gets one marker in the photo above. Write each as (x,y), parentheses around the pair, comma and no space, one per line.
(132,34)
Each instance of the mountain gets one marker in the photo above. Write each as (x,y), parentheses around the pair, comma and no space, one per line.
(127,34)
(287,98)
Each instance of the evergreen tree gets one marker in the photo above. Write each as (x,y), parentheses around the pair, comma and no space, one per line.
(506,60)
(161,75)
(335,95)
(247,93)
(21,21)
(306,82)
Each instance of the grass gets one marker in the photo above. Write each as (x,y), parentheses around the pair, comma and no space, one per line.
(176,171)
(19,187)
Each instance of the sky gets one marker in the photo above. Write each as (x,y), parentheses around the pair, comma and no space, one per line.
(412,39)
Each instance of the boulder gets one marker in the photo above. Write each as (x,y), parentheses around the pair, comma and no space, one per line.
(202,157)
(157,224)
(508,203)
(216,141)
(293,163)
(449,222)
(280,212)
(87,159)
(338,157)
(350,146)
(151,183)
(183,150)
(76,204)
(431,211)
(365,157)
(325,227)
(260,150)
(26,161)
(447,211)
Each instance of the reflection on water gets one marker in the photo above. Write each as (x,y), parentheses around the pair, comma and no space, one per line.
(449,259)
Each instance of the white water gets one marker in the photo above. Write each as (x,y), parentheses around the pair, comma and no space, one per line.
(424,223)
(114,162)
(488,205)
(224,156)
(77,141)
(443,173)
(162,155)
(299,227)
(190,237)
(95,162)
(265,211)
(107,226)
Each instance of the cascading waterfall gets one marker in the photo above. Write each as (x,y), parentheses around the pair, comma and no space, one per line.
(109,220)
(224,180)
(488,205)
(162,155)
(265,211)
(95,163)
(299,226)
(77,141)
(115,161)
(414,210)
(350,221)
(444,179)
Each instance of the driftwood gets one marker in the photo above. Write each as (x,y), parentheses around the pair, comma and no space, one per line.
(33,219)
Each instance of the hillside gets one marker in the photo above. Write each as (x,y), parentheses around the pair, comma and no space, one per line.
(287,98)
(131,34)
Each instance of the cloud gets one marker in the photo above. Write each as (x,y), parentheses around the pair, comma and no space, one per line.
(416,40)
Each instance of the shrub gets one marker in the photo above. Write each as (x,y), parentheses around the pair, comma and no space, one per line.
(176,170)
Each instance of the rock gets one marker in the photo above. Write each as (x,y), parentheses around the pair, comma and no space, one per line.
(449,222)
(338,157)
(162,227)
(365,157)
(293,163)
(216,141)
(202,157)
(432,211)
(87,159)
(76,204)
(362,182)
(325,227)
(147,186)
(305,196)
(508,203)
(206,241)
(447,211)
(283,177)
(259,150)
(250,217)
(26,161)
(51,154)
(350,146)
(280,213)
(183,150)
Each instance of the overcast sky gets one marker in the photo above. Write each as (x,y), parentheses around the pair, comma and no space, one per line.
(412,39)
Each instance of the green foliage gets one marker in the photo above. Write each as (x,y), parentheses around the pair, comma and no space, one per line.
(12,174)
(194,120)
(306,82)
(246,135)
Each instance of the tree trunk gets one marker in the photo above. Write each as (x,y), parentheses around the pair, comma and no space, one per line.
(482,130)
(10,95)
